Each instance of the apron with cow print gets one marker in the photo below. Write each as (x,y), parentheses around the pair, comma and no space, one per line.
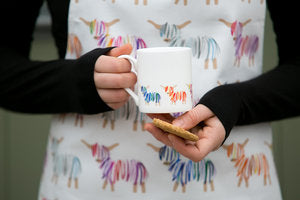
(110,156)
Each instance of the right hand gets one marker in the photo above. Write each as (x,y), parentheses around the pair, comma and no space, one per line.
(112,75)
(211,134)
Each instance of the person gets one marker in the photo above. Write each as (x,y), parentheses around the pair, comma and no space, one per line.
(126,163)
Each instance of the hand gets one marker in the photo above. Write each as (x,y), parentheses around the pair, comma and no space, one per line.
(112,75)
(211,134)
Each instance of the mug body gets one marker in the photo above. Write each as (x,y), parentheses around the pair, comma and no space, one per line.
(164,79)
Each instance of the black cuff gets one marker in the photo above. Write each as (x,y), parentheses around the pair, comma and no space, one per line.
(89,100)
(225,103)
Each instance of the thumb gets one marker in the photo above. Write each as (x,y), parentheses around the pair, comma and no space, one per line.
(122,50)
(193,117)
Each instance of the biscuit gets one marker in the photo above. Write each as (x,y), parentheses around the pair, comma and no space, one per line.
(170,128)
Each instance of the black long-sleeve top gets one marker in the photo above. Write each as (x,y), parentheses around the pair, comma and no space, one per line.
(61,86)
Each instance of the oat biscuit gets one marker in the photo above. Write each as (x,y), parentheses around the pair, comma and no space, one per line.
(170,128)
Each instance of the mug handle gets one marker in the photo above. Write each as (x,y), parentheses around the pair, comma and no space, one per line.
(133,62)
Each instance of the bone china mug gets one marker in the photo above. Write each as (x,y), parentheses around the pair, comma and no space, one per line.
(164,78)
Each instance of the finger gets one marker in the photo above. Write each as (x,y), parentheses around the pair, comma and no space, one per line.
(165,117)
(113,95)
(193,117)
(122,50)
(158,133)
(214,131)
(209,141)
(194,152)
(111,80)
(116,105)
(108,64)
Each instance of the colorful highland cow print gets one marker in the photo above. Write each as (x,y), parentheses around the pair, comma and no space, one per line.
(74,45)
(100,30)
(249,1)
(150,96)
(128,112)
(64,164)
(78,119)
(131,171)
(175,95)
(118,160)
(185,2)
(200,45)
(183,171)
(136,2)
(245,45)
(247,166)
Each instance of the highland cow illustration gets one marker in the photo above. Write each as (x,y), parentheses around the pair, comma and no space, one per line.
(74,45)
(184,172)
(136,2)
(185,2)
(247,166)
(115,170)
(78,119)
(249,1)
(200,45)
(175,95)
(139,117)
(128,112)
(245,45)
(109,117)
(64,164)
(225,83)
(100,30)
(150,96)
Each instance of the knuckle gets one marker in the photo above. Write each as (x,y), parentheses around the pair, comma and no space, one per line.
(122,65)
(122,95)
(118,66)
(160,139)
(192,117)
(119,81)
(133,78)
(99,62)
(157,136)
(126,80)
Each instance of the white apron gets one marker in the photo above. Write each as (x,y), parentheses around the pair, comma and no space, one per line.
(109,156)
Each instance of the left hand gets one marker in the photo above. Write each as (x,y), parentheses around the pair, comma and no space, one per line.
(112,75)
(211,135)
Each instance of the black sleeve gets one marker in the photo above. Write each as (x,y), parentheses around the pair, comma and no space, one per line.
(49,87)
(272,96)
(57,86)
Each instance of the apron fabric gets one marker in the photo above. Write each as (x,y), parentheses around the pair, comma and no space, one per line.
(110,156)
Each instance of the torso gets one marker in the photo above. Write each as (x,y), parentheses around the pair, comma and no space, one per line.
(135,165)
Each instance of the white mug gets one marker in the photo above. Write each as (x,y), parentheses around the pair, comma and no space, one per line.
(164,78)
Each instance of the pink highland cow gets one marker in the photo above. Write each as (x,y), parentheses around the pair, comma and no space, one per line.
(114,170)
(100,30)
(244,44)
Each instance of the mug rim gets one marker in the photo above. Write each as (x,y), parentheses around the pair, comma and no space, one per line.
(163,49)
